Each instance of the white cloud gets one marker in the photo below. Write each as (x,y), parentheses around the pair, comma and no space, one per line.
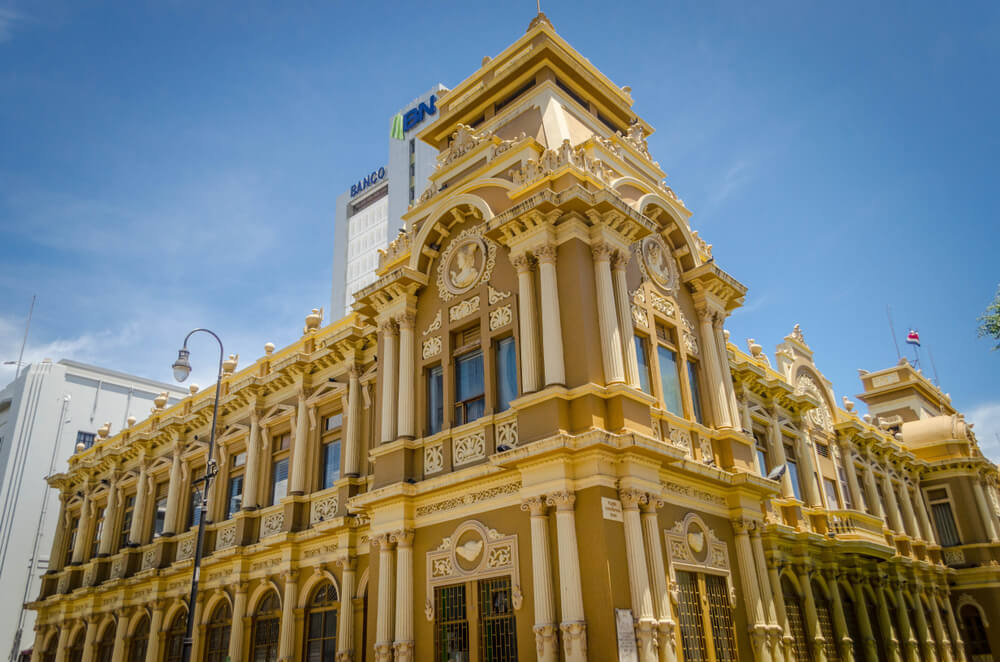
(986,418)
(8,19)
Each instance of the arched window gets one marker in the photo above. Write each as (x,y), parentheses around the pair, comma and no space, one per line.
(217,633)
(321,625)
(796,623)
(266,628)
(175,637)
(106,645)
(825,624)
(140,639)
(853,625)
(976,643)
(75,652)
(49,652)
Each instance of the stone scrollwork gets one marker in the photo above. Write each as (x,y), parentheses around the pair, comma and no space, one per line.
(500,317)
(468,261)
(118,568)
(464,309)
(657,264)
(474,551)
(507,433)
(324,509)
(496,295)
(469,498)
(555,159)
(431,347)
(226,537)
(435,324)
(272,524)
(469,448)
(148,559)
(689,336)
(680,438)
(433,458)
(661,304)
(185,549)
(820,416)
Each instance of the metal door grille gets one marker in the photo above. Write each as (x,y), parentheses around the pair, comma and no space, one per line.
(690,617)
(217,634)
(720,613)
(265,639)
(451,626)
(826,627)
(497,628)
(106,646)
(793,609)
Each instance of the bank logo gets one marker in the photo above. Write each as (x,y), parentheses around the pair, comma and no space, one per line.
(403,122)
(396,131)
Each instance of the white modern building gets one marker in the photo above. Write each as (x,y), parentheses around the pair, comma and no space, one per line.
(45,413)
(369,214)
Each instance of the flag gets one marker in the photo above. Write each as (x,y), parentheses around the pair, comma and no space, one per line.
(913,338)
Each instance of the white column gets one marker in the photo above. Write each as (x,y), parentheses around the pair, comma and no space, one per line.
(403,644)
(387,367)
(546,642)
(944,644)
(751,594)
(552,342)
(88,641)
(80,545)
(909,517)
(611,341)
(891,504)
(286,640)
(252,472)
(135,534)
(662,605)
(715,389)
(386,595)
(624,306)
(121,630)
(638,576)
(925,520)
(300,445)
(770,606)
(779,457)
(239,618)
(174,488)
(155,633)
(574,624)
(847,458)
(727,375)
(977,490)
(352,456)
(345,617)
(110,531)
(808,465)
(528,325)
(407,388)
(874,503)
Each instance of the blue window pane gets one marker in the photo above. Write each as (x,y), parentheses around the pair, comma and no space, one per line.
(793,473)
(331,463)
(235,495)
(161,516)
(470,403)
(279,481)
(435,400)
(506,374)
(669,380)
(762,459)
(695,390)
(643,358)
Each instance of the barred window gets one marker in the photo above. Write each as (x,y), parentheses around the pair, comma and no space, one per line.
(825,624)
(497,629)
(944,518)
(793,610)
(321,625)
(266,629)
(140,639)
(703,606)
(451,624)
(217,633)
(175,638)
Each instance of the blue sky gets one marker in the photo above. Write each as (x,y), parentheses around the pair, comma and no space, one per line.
(165,165)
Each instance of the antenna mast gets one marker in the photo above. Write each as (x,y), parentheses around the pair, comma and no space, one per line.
(27,325)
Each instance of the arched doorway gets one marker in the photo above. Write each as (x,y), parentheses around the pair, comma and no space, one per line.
(796,621)
(217,633)
(106,644)
(974,632)
(140,640)
(266,629)
(174,650)
(75,651)
(321,625)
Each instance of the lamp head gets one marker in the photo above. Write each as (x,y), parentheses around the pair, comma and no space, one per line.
(182,367)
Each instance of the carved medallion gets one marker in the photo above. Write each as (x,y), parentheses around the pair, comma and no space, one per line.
(467,262)
(657,263)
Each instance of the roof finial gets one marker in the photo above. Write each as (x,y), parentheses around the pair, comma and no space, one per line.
(541,18)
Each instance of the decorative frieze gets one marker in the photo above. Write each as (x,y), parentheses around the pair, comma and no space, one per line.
(662,304)
(431,347)
(501,317)
(225,537)
(639,316)
(433,458)
(496,296)
(435,323)
(469,448)
(272,524)
(470,498)
(324,509)
(462,310)
(185,549)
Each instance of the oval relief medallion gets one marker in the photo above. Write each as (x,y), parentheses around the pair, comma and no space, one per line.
(465,265)
(659,263)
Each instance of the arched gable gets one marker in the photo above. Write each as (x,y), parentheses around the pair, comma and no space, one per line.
(219,595)
(259,593)
(137,618)
(317,579)
(677,233)
(443,215)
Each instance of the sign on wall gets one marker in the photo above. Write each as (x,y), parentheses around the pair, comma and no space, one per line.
(368,181)
(403,122)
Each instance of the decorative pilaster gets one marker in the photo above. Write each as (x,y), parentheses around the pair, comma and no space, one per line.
(666,639)
(155,628)
(552,343)
(174,488)
(352,456)
(403,644)
(753,601)
(638,576)
(778,453)
(573,625)
(716,388)
(387,366)
(300,445)
(760,563)
(286,640)
(250,476)
(619,261)
(527,323)
(81,544)
(812,618)
(110,531)
(386,602)
(88,640)
(546,643)
(135,534)
(407,387)
(345,617)
(727,375)
(984,512)
(239,618)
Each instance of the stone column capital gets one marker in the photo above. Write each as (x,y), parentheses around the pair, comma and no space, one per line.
(403,538)
(600,251)
(652,504)
(619,261)
(546,254)
(536,505)
(389,327)
(631,498)
(563,500)
(407,321)
(383,541)
(348,562)
(521,262)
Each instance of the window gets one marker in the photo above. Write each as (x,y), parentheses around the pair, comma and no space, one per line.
(74,526)
(217,633)
(194,506)
(160,509)
(469,398)
(279,480)
(85,438)
(506,373)
(793,611)
(488,620)
(334,422)
(266,627)
(793,470)
(95,541)
(695,592)
(845,488)
(853,625)
(175,638)
(976,642)
(832,500)
(106,645)
(695,390)
(822,450)
(497,629)
(321,625)
(944,518)
(75,651)
(642,356)
(140,639)
(435,400)
(761,446)
(234,499)
(669,380)
(331,463)
(126,530)
(451,625)
(826,624)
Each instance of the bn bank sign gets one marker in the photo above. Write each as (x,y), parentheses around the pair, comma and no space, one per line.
(369,180)
(403,122)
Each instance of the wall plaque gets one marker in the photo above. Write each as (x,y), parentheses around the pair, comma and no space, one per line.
(628,650)
(612,509)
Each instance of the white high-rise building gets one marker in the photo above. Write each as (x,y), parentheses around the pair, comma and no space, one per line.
(45,413)
(369,214)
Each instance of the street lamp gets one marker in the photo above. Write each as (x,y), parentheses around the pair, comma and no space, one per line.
(182,368)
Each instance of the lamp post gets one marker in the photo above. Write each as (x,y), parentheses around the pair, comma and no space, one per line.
(182,368)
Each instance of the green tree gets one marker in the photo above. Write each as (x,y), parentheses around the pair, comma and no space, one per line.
(989,321)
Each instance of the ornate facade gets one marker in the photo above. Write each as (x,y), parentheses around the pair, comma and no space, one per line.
(534,439)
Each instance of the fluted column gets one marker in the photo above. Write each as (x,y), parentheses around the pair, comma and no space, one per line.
(662,606)
(925,520)
(352,456)
(869,645)
(155,633)
(715,388)
(300,445)
(121,630)
(387,366)
(110,532)
(345,617)
(573,625)
(874,503)
(407,388)
(844,642)
(174,488)
(403,643)
(984,512)
(81,544)
(386,602)
(62,644)
(58,551)
(911,651)
(778,453)
(135,534)
(909,517)
(88,640)
(611,345)
(892,644)
(774,626)
(638,575)
(810,478)
(198,631)
(726,374)
(239,618)
(787,641)
(943,642)
(528,325)
(624,306)
(552,342)
(928,649)
(546,643)
(953,631)
(286,640)
(895,523)
(812,618)
(847,458)
(751,594)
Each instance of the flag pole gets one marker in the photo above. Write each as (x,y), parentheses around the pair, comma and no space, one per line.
(892,331)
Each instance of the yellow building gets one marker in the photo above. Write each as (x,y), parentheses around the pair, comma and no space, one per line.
(533,439)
